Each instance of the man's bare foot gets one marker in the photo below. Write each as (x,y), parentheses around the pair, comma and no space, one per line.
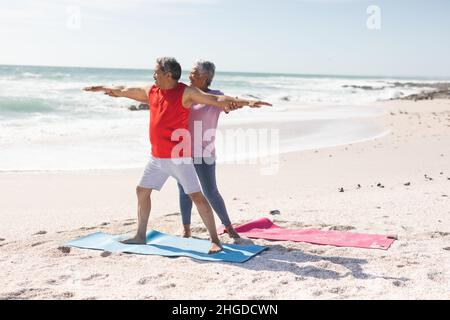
(215,248)
(135,240)
(232,233)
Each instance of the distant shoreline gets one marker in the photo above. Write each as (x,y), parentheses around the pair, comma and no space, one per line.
(250,73)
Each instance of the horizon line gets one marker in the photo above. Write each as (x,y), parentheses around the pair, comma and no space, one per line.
(247,72)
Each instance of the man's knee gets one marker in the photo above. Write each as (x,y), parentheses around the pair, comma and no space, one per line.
(143,192)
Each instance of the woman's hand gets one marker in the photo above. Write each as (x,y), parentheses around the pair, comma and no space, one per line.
(258,104)
(232,106)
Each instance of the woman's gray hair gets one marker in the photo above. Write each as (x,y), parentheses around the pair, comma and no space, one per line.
(169,64)
(206,68)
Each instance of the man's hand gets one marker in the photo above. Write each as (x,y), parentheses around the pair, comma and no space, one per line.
(115,91)
(95,88)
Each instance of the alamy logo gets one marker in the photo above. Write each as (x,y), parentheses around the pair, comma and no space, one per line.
(374,19)
(73,21)
(240,146)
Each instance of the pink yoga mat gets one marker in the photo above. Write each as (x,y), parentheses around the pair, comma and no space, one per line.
(266,229)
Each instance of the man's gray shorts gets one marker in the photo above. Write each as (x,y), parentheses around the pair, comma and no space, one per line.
(158,171)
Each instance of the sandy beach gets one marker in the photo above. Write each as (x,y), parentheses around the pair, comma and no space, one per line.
(404,180)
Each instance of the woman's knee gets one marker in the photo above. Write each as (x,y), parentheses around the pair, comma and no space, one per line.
(212,194)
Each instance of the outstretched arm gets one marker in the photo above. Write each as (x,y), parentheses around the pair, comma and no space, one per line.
(194,95)
(136,93)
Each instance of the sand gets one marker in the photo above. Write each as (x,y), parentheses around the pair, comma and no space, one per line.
(40,211)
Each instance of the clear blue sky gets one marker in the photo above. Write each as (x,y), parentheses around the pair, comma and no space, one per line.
(290,36)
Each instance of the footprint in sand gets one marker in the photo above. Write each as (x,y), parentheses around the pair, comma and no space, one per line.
(317,293)
(39,243)
(172,214)
(96,276)
(199,229)
(145,280)
(105,254)
(167,286)
(52,282)
(23,294)
(257,297)
(342,228)
(104,224)
(435,276)
(299,225)
(337,290)
(64,249)
(2,239)
(86,228)
(40,233)
(128,223)
(148,279)
(64,295)
(256,280)
(438,234)
(446,248)
(398,283)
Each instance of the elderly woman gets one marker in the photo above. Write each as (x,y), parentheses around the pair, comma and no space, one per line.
(204,118)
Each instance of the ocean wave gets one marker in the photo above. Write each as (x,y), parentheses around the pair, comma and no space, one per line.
(10,105)
(30,75)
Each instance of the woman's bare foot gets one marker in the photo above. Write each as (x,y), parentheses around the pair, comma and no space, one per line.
(187,231)
(187,234)
(232,233)
(215,248)
(135,240)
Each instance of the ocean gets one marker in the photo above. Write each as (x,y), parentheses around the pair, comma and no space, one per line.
(48,123)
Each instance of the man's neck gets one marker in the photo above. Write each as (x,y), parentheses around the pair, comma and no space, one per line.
(170,85)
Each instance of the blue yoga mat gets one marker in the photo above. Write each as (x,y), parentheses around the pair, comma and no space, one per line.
(162,244)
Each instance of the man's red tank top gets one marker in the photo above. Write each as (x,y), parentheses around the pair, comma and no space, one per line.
(167,114)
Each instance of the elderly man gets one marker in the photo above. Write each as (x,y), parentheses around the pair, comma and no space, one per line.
(170,102)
